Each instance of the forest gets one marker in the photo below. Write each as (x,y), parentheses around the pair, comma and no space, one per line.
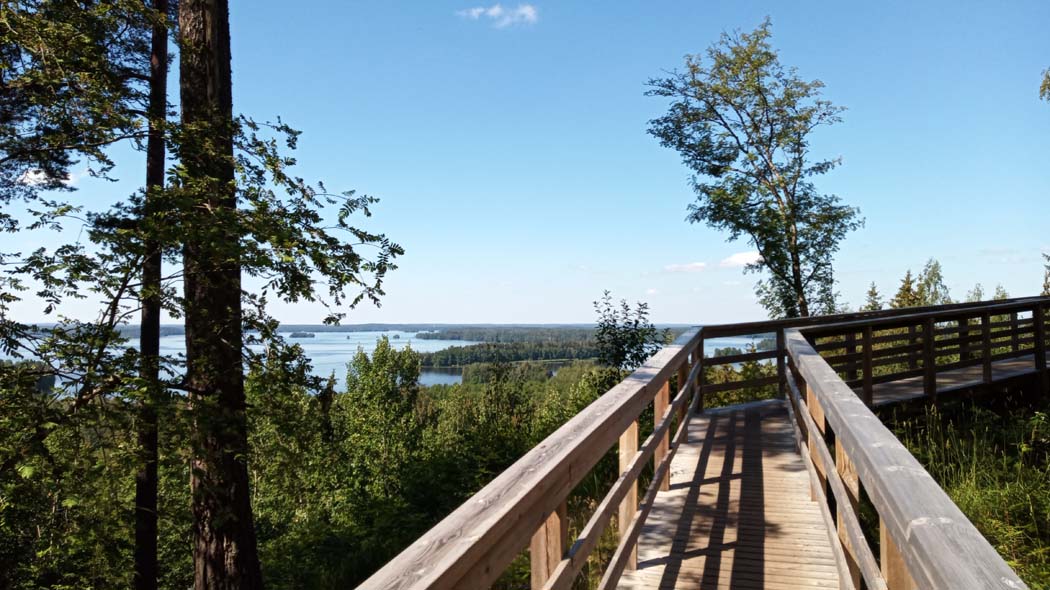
(511,334)
(458,356)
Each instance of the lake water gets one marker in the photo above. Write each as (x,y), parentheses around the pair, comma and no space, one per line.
(331,351)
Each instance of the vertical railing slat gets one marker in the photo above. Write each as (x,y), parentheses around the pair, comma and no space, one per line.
(894,570)
(817,413)
(929,360)
(1015,339)
(547,546)
(913,357)
(660,403)
(683,376)
(848,473)
(986,346)
(868,388)
(851,348)
(1039,322)
(629,505)
(781,367)
(698,398)
(964,334)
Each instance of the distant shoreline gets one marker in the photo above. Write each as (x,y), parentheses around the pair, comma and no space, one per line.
(178,330)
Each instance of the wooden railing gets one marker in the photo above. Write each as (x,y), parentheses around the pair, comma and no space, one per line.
(924,540)
(525,507)
(922,344)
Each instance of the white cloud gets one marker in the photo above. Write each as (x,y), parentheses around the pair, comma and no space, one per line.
(501,17)
(37,177)
(651,292)
(740,259)
(688,267)
(32,177)
(472,13)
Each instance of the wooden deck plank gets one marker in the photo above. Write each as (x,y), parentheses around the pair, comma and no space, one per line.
(949,381)
(738,513)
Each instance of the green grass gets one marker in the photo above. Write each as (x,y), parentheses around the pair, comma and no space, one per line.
(996,467)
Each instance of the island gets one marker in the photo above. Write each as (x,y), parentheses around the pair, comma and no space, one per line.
(302,335)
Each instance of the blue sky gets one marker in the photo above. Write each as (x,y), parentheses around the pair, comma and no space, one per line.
(510,152)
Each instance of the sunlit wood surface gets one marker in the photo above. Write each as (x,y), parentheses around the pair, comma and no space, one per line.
(953,380)
(738,514)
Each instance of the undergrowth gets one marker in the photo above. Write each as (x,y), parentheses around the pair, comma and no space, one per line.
(996,467)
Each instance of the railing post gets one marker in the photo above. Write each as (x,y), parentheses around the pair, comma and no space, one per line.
(964,333)
(629,504)
(894,571)
(851,348)
(929,360)
(817,413)
(1015,340)
(868,391)
(986,346)
(698,399)
(781,366)
(848,473)
(660,403)
(683,376)
(913,357)
(1039,323)
(547,546)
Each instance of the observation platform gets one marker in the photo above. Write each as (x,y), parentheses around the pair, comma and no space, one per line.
(768,494)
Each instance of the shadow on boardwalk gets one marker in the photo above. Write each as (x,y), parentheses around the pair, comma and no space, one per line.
(738,514)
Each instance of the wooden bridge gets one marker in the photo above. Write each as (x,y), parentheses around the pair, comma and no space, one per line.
(806,490)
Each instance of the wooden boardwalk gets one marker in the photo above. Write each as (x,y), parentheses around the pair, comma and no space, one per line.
(951,381)
(733,501)
(739,513)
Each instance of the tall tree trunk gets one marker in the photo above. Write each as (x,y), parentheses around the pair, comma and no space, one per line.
(798,287)
(149,337)
(801,305)
(224,551)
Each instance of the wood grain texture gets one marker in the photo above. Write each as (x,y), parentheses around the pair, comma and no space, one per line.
(629,504)
(548,546)
(738,513)
(894,570)
(660,403)
(940,546)
(951,381)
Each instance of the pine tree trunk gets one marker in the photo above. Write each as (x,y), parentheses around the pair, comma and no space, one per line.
(224,552)
(149,337)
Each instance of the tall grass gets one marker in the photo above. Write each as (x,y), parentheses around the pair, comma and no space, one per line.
(996,467)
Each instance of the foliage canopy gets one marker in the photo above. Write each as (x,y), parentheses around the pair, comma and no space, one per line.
(742,124)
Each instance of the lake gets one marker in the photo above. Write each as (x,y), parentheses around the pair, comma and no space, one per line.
(331,351)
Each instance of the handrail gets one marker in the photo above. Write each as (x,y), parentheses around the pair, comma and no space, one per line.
(712,331)
(945,313)
(975,338)
(472,546)
(848,521)
(927,541)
